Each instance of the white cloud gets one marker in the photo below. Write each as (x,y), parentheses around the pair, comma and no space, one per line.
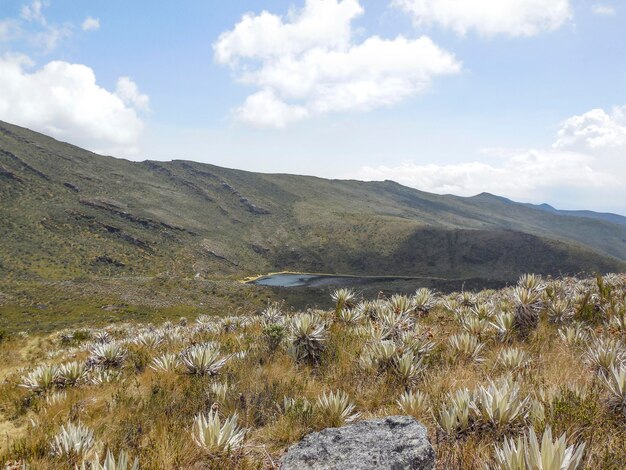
(602,9)
(321,23)
(527,175)
(49,39)
(34,12)
(595,131)
(90,24)
(310,65)
(9,29)
(33,26)
(586,163)
(265,109)
(128,92)
(489,17)
(63,100)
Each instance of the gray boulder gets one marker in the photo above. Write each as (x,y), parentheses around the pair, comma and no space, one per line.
(391,443)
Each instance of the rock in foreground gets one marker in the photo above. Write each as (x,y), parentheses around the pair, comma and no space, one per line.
(391,443)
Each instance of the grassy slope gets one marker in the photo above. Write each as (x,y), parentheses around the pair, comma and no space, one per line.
(149,414)
(67,212)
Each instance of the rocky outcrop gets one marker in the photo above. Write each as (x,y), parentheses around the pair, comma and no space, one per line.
(391,443)
(245,201)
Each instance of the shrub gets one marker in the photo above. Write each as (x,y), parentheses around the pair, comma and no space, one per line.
(273,334)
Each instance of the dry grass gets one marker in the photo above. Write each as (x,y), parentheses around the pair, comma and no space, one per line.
(149,414)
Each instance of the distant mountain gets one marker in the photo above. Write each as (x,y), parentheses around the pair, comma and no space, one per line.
(606,216)
(66,212)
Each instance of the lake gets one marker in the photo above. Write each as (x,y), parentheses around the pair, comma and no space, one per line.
(322,280)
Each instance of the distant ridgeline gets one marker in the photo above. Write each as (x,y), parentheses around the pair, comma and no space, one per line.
(67,212)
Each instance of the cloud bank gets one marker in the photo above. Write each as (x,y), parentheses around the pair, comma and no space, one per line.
(586,162)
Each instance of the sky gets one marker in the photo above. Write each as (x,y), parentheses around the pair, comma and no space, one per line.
(521,98)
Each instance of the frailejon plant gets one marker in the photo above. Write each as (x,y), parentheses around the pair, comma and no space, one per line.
(307,335)
(500,405)
(527,307)
(504,325)
(401,304)
(466,346)
(203,359)
(605,353)
(454,415)
(409,367)
(344,298)
(615,384)
(617,322)
(102,337)
(215,437)
(416,343)
(41,379)
(379,355)
(71,374)
(149,339)
(55,398)
(531,282)
(335,408)
(414,403)
(272,315)
(220,391)
(392,324)
(513,359)
(475,325)
(574,335)
(167,362)
(560,311)
(424,301)
(527,453)
(107,355)
(100,376)
(467,299)
(350,316)
(73,442)
(110,463)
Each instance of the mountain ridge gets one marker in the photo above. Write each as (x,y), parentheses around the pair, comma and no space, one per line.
(70,212)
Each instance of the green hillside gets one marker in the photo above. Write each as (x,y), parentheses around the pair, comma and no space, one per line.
(66,212)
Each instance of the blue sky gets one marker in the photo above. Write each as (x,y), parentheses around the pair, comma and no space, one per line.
(523,98)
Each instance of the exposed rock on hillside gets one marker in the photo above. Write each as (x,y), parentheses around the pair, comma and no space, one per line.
(395,442)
